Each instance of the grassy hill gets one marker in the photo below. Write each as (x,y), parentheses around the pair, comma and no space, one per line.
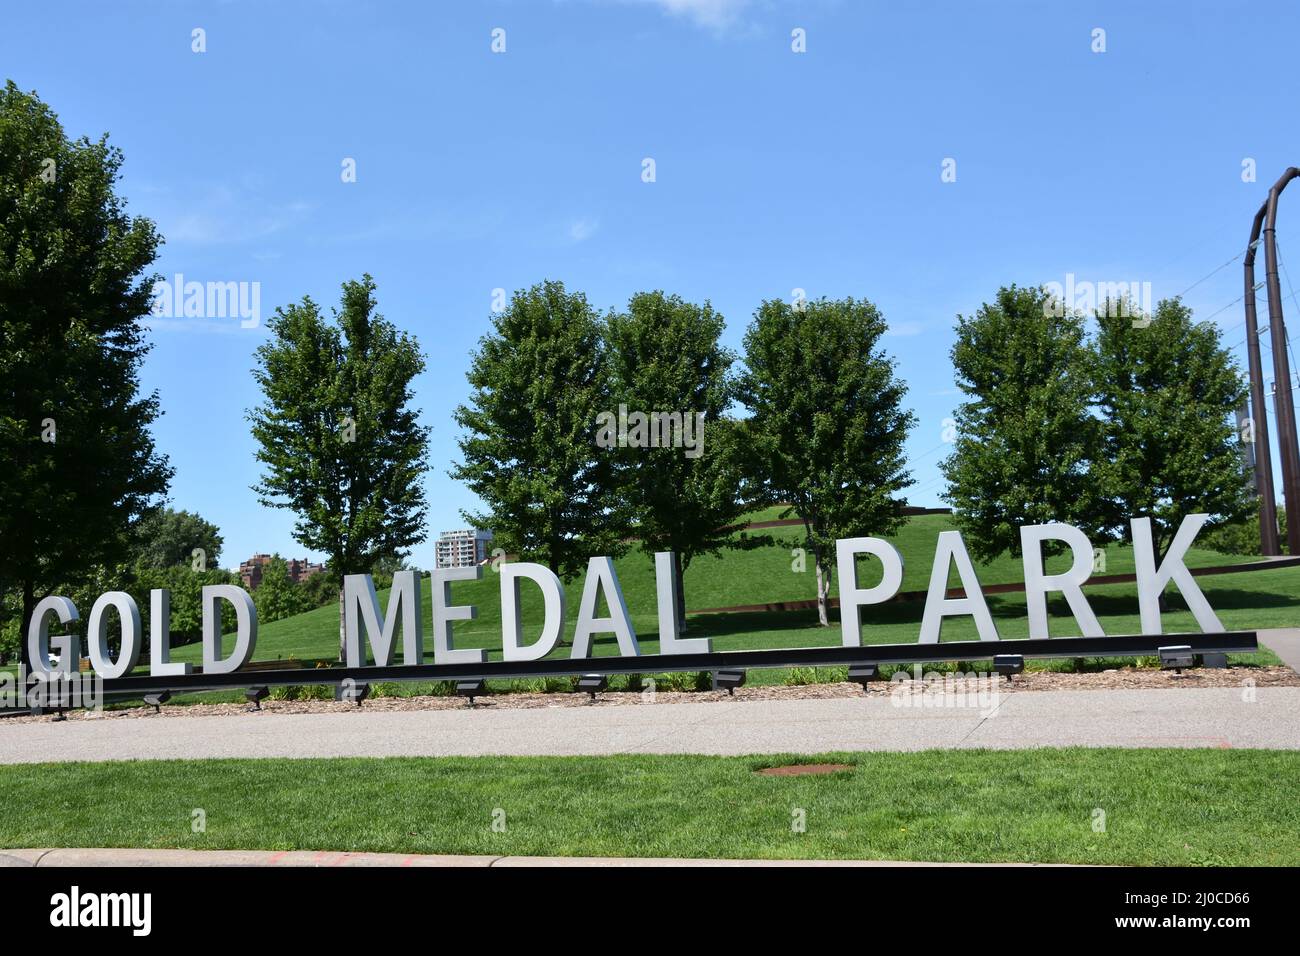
(765,575)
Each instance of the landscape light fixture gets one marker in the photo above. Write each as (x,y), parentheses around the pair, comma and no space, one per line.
(730,680)
(156,700)
(864,673)
(1176,657)
(471,689)
(593,684)
(1008,664)
(1213,659)
(353,691)
(255,696)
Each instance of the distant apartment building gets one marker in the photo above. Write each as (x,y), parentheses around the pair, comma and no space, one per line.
(461,549)
(300,569)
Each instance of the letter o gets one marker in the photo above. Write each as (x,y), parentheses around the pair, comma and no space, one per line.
(97,635)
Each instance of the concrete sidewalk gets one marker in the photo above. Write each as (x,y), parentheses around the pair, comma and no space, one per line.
(326,858)
(1285,643)
(1266,717)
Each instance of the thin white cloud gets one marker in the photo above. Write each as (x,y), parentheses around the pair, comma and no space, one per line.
(714,14)
(224,215)
(711,14)
(581,230)
(905,329)
(202,326)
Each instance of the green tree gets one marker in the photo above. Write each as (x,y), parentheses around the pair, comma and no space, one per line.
(538,383)
(385,567)
(321,589)
(277,596)
(827,427)
(1026,434)
(80,468)
(186,596)
(1239,536)
(168,537)
(1167,393)
(340,444)
(665,359)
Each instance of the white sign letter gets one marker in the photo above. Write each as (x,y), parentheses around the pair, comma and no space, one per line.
(1151,581)
(97,631)
(1038,583)
(245,628)
(670,642)
(600,573)
(403,603)
(512,635)
(444,612)
(38,637)
(853,597)
(951,549)
(160,637)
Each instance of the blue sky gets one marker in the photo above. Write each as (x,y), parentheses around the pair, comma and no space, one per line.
(775,170)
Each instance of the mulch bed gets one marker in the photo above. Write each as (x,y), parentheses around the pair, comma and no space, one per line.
(1128,678)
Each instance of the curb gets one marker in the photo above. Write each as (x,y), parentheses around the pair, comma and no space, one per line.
(103,857)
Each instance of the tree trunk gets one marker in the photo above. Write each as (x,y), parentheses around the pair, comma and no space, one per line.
(343,644)
(29,604)
(823,591)
(680,610)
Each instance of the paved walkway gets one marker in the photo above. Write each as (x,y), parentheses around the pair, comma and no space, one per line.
(329,858)
(1285,643)
(1267,717)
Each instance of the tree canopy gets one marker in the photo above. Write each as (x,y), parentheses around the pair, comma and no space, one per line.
(80,466)
(538,382)
(340,444)
(1167,390)
(666,360)
(827,427)
(1026,433)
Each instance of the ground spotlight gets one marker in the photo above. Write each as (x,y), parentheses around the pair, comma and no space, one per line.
(157,700)
(593,684)
(1175,657)
(471,689)
(1214,660)
(730,680)
(255,696)
(1008,664)
(353,691)
(864,673)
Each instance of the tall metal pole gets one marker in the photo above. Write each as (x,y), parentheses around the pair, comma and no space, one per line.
(1268,541)
(1285,407)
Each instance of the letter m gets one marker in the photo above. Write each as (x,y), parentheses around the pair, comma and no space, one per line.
(1116,297)
(115,909)
(361,605)
(223,300)
(664,427)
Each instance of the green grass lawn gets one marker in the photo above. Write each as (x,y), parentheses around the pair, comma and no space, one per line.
(1162,807)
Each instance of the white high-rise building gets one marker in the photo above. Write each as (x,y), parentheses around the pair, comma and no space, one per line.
(461,549)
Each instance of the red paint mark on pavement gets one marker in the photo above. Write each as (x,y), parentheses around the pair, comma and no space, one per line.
(1218,742)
